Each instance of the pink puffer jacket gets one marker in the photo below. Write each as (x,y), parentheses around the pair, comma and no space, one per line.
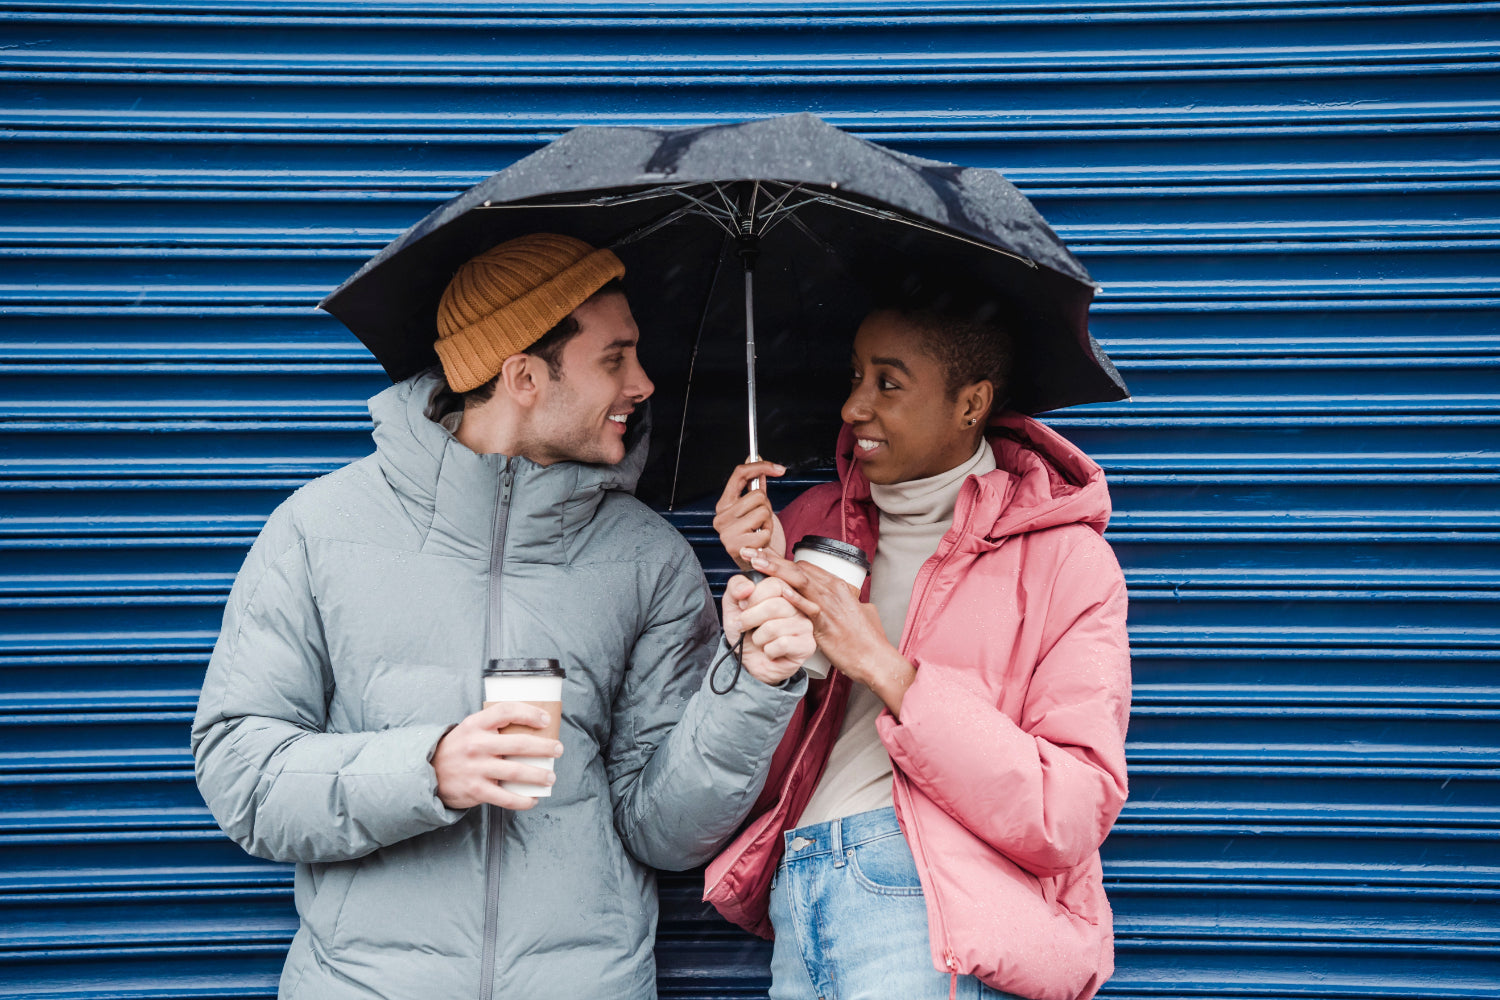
(1009,755)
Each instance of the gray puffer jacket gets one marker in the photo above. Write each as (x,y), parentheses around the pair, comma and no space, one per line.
(355,637)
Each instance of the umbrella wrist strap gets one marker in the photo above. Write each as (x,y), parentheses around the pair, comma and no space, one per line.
(736,653)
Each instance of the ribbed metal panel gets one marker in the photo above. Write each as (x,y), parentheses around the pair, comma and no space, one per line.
(1294,208)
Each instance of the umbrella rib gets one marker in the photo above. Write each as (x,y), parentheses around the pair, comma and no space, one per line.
(709,211)
(789,212)
(651,227)
(687,393)
(806,230)
(604,201)
(771,214)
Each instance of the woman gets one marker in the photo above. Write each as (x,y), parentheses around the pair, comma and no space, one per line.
(932,822)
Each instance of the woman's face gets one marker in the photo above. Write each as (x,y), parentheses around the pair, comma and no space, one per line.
(905,425)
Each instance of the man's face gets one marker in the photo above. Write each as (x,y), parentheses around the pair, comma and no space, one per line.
(581,416)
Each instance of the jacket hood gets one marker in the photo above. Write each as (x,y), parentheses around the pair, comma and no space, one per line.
(1041,480)
(452,490)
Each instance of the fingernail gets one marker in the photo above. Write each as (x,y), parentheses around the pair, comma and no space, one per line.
(557,750)
(780,468)
(546,719)
(551,777)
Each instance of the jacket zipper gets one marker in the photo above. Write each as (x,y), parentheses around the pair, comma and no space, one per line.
(494,817)
(914,615)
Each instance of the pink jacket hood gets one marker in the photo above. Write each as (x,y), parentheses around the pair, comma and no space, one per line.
(1042,480)
(1008,757)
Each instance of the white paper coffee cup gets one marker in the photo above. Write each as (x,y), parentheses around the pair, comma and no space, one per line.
(535,682)
(844,561)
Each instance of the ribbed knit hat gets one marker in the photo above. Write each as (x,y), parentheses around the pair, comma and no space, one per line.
(503,301)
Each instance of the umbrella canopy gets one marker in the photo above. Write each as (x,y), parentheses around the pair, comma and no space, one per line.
(826,219)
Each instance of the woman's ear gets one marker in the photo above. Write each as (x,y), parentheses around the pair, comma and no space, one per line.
(975,402)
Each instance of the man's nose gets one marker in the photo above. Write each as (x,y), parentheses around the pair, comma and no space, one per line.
(640,386)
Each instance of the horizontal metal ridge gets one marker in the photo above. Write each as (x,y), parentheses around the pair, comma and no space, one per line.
(822,8)
(526,136)
(582,49)
(597,13)
(1191,117)
(481,75)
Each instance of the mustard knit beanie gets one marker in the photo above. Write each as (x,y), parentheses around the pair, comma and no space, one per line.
(503,301)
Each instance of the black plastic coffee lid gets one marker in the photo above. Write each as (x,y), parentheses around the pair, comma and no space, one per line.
(834,547)
(519,667)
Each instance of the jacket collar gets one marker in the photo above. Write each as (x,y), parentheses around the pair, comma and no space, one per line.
(1041,480)
(451,492)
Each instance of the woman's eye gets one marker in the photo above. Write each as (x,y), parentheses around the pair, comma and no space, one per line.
(886,383)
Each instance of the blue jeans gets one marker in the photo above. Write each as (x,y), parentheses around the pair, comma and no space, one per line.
(850,918)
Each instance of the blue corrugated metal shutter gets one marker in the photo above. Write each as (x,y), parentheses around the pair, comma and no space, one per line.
(1295,210)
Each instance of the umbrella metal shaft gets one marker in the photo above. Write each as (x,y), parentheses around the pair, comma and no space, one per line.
(750,367)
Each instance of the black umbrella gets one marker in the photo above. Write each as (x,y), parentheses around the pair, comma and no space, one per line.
(823,217)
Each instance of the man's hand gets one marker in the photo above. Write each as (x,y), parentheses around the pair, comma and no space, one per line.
(779,638)
(747,521)
(848,632)
(470,758)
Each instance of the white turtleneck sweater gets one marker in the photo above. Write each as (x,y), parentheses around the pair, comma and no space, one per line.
(914,517)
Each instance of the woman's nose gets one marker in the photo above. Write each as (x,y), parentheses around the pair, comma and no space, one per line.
(855,409)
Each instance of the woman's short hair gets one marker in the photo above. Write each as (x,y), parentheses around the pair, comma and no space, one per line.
(966,331)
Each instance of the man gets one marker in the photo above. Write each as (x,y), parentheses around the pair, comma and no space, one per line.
(340,724)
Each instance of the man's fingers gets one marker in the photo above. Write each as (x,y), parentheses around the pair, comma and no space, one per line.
(508,713)
(500,769)
(765,611)
(489,793)
(798,646)
(516,745)
(739,588)
(778,628)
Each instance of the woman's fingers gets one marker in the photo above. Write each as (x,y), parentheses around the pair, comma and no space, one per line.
(775,564)
(741,478)
(747,522)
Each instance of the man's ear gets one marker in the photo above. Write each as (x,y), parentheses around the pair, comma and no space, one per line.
(518,376)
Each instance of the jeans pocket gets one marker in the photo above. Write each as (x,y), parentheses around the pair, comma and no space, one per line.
(885,866)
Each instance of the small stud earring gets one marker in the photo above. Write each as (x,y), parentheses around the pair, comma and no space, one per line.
(971,421)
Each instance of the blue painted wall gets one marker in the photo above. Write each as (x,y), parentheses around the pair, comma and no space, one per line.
(1294,208)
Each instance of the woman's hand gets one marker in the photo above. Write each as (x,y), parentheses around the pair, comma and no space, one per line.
(777,638)
(848,632)
(747,522)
